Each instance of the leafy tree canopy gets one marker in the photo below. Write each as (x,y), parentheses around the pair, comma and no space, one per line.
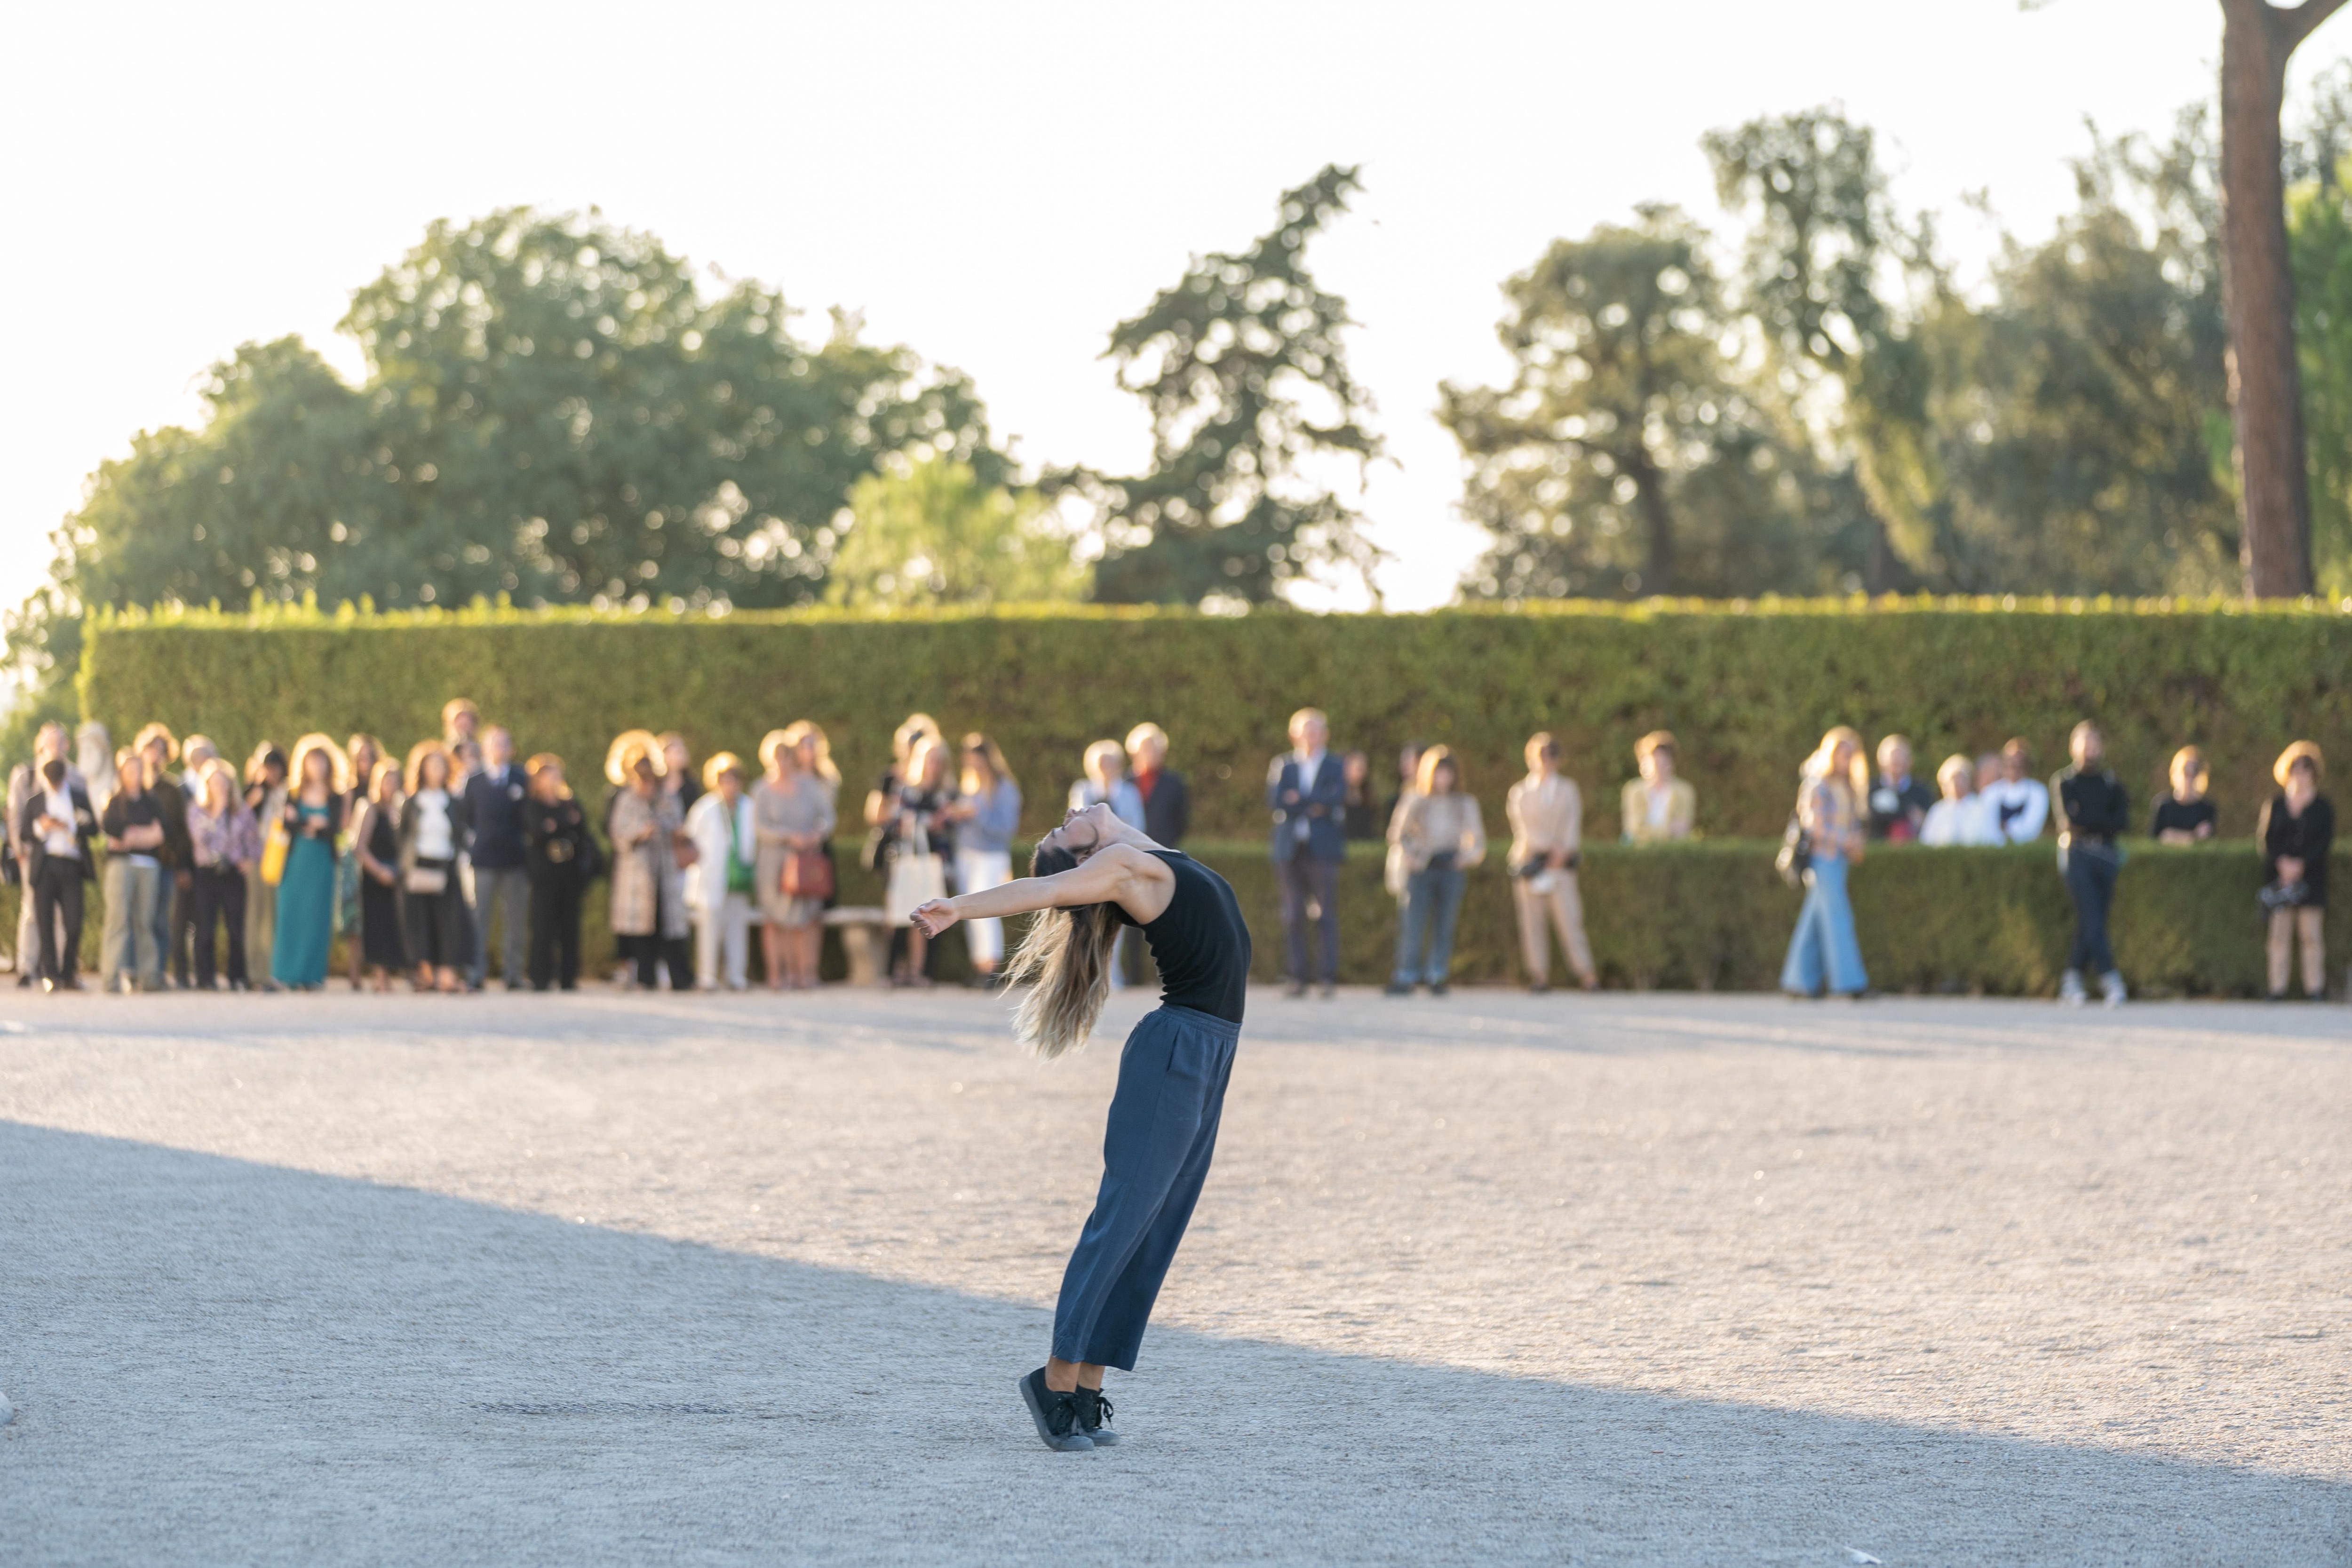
(930,533)
(1244,371)
(1627,456)
(553,410)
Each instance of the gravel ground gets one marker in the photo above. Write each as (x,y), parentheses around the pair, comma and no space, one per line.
(619,1278)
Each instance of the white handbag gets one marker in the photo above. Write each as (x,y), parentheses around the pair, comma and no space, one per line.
(917,876)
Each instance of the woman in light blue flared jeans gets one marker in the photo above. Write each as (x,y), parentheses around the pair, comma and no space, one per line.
(1823,954)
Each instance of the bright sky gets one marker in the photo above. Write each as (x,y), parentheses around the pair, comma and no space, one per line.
(992,185)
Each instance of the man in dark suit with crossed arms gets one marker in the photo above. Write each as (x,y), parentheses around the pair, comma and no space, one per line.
(1307,793)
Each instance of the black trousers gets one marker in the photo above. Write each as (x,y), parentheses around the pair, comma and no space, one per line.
(651,954)
(1309,882)
(219,899)
(2091,881)
(57,890)
(555,932)
(183,926)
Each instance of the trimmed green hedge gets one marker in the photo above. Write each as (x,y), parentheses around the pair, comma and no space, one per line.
(1714,916)
(1748,688)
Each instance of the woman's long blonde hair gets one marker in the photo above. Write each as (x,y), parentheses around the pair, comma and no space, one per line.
(801,730)
(1857,779)
(1065,959)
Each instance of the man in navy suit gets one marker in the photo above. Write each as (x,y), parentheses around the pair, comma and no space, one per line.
(1308,792)
(493,814)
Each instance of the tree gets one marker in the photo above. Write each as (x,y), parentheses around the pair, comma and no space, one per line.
(2319,241)
(572,421)
(552,411)
(1625,456)
(1228,362)
(930,533)
(1824,235)
(2258,286)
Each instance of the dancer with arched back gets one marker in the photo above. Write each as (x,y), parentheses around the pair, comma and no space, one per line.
(1089,876)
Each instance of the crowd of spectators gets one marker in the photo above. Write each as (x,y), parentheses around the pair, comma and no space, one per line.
(217,875)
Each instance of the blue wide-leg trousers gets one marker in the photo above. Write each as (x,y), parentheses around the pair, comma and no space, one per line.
(1163,1129)
(1823,951)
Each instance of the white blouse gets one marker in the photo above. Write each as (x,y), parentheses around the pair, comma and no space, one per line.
(436,838)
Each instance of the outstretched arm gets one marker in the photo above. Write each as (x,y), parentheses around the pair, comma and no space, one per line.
(1110,876)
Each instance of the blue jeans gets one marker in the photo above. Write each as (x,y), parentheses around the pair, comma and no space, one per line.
(1432,897)
(129,945)
(1823,949)
(1163,1129)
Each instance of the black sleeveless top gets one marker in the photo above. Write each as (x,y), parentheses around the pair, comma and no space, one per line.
(1200,943)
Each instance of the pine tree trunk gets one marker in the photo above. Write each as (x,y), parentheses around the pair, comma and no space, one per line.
(2258,295)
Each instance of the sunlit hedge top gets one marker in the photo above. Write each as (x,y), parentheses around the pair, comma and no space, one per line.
(1747,686)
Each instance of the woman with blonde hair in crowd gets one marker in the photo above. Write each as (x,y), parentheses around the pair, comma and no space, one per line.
(987,814)
(919,841)
(313,821)
(1546,812)
(719,885)
(2297,831)
(1440,835)
(649,908)
(816,755)
(381,942)
(792,817)
(1656,807)
(882,801)
(224,842)
(1823,953)
(2184,814)
(432,832)
(1959,817)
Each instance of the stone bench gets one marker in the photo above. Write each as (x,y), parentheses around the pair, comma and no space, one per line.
(865,941)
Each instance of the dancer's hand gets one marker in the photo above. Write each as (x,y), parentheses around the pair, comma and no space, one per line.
(935,915)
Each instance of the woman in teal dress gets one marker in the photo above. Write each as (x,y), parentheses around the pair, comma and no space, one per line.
(306,892)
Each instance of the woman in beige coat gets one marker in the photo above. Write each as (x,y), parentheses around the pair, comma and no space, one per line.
(1438,831)
(1547,816)
(648,899)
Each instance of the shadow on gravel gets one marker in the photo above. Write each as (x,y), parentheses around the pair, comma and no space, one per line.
(214,1361)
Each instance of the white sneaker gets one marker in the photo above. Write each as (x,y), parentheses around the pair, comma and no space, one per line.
(2111,985)
(2070,989)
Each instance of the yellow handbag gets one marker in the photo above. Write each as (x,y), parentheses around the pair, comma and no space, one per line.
(273,853)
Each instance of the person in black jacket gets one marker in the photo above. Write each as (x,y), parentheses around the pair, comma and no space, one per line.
(54,827)
(493,844)
(2092,814)
(2298,830)
(1167,799)
(561,858)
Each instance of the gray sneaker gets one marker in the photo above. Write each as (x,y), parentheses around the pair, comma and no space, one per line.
(2111,988)
(1057,1415)
(1094,1418)
(2070,989)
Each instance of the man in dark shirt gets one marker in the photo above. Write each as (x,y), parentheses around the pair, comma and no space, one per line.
(133,823)
(2093,813)
(1898,801)
(1167,800)
(160,748)
(494,801)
